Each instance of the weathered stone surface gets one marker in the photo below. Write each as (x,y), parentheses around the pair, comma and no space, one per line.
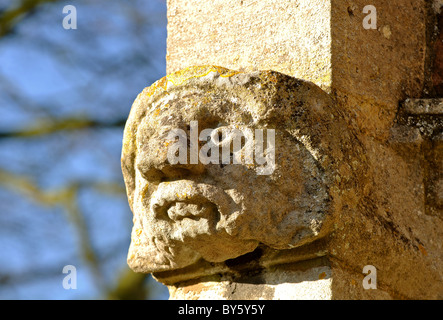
(292,37)
(184,213)
(306,280)
(378,156)
(303,281)
(437,50)
(367,70)
(425,118)
(333,192)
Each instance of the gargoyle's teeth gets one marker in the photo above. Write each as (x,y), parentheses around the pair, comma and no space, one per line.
(181,210)
(187,192)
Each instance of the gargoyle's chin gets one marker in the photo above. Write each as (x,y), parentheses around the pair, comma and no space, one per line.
(202,233)
(190,219)
(220,246)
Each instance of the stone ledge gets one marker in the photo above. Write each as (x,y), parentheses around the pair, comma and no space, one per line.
(426,115)
(423,106)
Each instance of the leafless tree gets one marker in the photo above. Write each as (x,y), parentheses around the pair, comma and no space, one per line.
(64,99)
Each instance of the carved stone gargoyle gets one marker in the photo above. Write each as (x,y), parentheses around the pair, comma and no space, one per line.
(193,215)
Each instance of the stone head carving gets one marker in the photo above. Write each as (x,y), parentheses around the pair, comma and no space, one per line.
(218,210)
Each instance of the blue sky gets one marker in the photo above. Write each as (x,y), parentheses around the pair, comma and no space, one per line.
(49,73)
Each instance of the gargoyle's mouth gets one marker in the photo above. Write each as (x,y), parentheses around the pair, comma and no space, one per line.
(186,199)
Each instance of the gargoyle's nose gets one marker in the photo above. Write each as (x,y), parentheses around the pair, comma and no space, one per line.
(170,172)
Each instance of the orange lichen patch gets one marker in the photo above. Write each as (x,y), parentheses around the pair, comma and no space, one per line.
(268,76)
(206,100)
(272,79)
(129,142)
(160,84)
(179,77)
(156,112)
(138,232)
(322,275)
(185,194)
(422,250)
(144,192)
(182,196)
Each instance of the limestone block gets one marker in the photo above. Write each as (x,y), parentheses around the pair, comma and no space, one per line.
(332,192)
(322,41)
(379,158)
(291,37)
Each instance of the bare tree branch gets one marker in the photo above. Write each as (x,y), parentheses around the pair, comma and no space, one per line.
(130,286)
(10,18)
(48,126)
(67,198)
(87,85)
